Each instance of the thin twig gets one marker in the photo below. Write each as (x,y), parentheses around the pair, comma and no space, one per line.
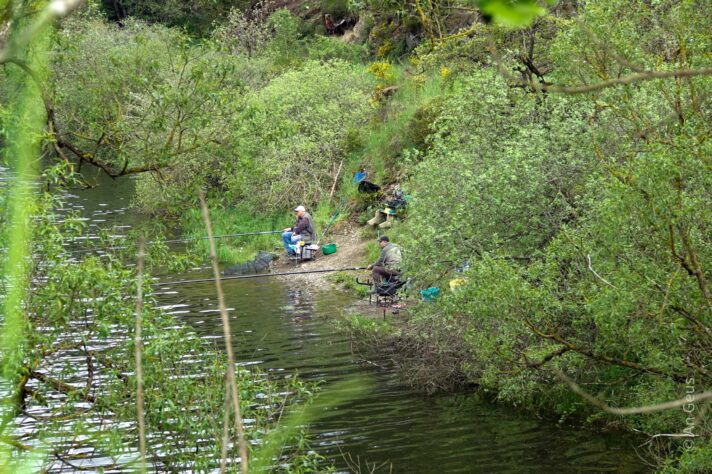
(336,178)
(228,338)
(139,347)
(590,267)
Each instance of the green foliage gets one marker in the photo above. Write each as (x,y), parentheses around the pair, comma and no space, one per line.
(21,114)
(286,46)
(579,224)
(245,33)
(336,8)
(292,135)
(150,100)
(501,175)
(511,12)
(347,281)
(363,326)
(696,458)
(373,251)
(326,48)
(397,134)
(576,222)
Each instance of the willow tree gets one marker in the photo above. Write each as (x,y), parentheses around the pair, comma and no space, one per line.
(577,203)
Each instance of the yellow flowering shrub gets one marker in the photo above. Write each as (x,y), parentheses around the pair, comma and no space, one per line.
(383,70)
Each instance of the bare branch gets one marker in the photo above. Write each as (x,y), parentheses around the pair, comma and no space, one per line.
(557,353)
(623,80)
(62,387)
(692,398)
(590,267)
(603,358)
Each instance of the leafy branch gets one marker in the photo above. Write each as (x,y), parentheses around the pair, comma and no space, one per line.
(602,358)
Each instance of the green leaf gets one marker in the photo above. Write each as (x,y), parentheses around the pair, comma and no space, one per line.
(511,12)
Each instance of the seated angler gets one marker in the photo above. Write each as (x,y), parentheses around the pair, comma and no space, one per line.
(388,263)
(303,230)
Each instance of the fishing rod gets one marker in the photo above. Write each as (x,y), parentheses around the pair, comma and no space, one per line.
(331,221)
(259,275)
(225,236)
(175,241)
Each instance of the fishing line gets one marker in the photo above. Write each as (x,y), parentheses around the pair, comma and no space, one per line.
(259,275)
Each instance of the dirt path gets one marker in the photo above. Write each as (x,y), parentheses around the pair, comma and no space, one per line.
(350,252)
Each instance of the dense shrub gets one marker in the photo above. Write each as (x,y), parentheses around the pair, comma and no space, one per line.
(150,100)
(291,135)
(501,176)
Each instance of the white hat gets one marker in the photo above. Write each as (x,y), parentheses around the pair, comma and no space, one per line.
(300,209)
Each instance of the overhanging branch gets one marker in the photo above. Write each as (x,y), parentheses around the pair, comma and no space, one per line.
(690,399)
(603,358)
(60,143)
(623,80)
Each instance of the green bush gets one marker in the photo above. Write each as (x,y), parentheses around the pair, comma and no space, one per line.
(286,47)
(575,222)
(501,174)
(325,48)
(292,134)
(145,98)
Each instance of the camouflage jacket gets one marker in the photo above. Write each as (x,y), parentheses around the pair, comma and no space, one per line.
(390,257)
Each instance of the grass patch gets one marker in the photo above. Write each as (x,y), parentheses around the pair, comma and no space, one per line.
(347,280)
(359,326)
(240,219)
(373,251)
(234,221)
(395,136)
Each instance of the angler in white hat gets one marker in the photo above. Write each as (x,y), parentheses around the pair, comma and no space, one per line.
(303,230)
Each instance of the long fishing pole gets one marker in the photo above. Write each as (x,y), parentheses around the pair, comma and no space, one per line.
(225,236)
(259,275)
(175,241)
